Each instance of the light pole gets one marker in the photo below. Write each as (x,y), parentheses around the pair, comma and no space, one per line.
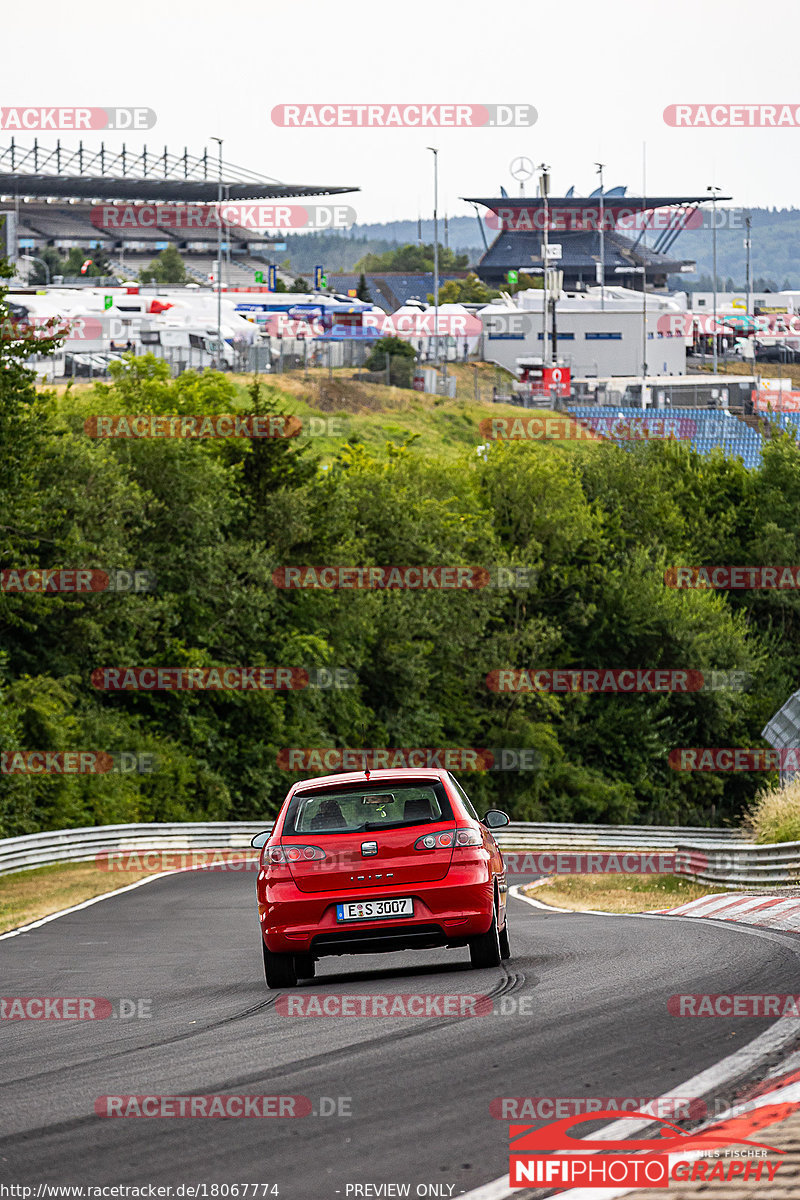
(228,246)
(219,253)
(435,154)
(643,271)
(747,243)
(714,189)
(602,240)
(544,188)
(32,258)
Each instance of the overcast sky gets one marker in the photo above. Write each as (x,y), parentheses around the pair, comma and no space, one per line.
(599,76)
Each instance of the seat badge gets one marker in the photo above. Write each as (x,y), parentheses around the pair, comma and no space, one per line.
(368,848)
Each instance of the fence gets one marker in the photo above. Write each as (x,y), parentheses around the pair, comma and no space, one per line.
(744,866)
(81,845)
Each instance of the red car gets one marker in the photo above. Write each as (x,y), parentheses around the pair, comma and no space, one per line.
(370,861)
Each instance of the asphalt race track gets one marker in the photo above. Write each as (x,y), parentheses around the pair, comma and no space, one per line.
(419,1089)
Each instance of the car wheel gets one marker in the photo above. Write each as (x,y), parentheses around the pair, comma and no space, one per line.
(304,966)
(505,944)
(279,969)
(484,950)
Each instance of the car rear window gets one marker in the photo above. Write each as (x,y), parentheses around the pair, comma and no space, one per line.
(367,808)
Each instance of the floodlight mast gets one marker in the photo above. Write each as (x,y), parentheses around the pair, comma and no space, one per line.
(219,253)
(602,240)
(544,189)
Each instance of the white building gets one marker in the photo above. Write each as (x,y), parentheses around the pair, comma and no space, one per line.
(596,337)
(733,304)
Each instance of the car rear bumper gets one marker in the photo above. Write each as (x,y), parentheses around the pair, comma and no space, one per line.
(445,913)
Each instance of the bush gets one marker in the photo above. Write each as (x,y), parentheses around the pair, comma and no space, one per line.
(775,815)
(401,360)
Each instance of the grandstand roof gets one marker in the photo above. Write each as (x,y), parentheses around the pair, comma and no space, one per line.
(104,173)
(623,204)
(390,290)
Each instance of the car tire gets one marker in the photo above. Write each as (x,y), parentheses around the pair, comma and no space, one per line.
(505,944)
(304,966)
(484,950)
(279,970)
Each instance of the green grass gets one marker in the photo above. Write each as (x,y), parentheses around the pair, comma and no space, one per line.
(618,893)
(26,896)
(373,413)
(775,815)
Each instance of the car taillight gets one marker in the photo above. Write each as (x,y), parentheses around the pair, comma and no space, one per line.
(442,840)
(276,855)
(468,837)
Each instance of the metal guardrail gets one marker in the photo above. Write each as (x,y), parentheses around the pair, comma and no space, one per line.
(733,867)
(81,845)
(551,835)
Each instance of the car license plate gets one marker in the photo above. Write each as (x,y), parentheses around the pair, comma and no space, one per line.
(375,910)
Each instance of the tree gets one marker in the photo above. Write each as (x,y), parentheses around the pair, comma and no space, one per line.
(362,291)
(471,290)
(55,263)
(524,283)
(273,463)
(167,268)
(77,256)
(21,408)
(414,259)
(401,356)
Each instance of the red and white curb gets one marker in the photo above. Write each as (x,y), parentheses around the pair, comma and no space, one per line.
(768,912)
(787,1096)
(765,912)
(781,1085)
(781,1094)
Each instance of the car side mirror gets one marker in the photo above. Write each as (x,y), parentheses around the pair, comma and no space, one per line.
(261,839)
(494,818)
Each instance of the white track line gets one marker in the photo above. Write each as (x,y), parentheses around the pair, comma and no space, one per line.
(790,1094)
(64,912)
(732,1067)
